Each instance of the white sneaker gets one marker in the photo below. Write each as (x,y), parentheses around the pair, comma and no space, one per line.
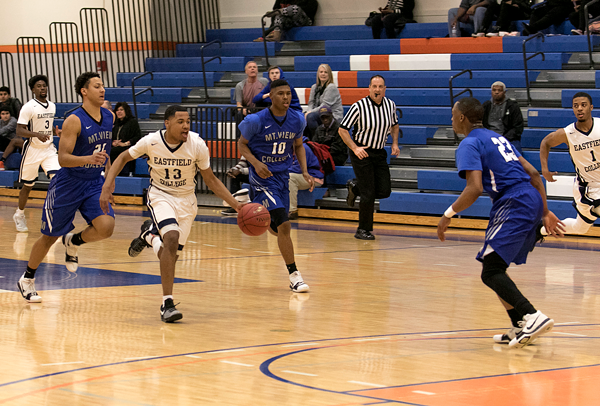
(509,335)
(71,260)
(503,33)
(20,222)
(297,283)
(27,288)
(536,324)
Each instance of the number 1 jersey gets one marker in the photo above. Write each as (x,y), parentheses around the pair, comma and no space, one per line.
(585,151)
(173,168)
(492,154)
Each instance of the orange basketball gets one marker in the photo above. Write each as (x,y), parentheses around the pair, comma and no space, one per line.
(254,219)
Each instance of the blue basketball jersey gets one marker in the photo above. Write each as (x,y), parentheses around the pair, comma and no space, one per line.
(94,136)
(492,154)
(271,139)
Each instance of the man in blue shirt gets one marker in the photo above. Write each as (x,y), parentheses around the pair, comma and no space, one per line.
(489,162)
(268,138)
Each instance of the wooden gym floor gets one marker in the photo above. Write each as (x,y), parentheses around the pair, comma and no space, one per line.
(401,320)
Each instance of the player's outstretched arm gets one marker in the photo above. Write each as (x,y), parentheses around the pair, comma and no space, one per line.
(66,159)
(551,140)
(218,188)
(109,180)
(468,196)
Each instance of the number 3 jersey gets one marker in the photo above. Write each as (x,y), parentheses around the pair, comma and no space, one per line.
(492,154)
(39,117)
(585,151)
(173,168)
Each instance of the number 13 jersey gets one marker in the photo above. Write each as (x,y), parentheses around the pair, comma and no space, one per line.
(173,168)
(585,151)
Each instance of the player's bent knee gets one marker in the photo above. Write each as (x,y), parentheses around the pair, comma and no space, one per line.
(171,241)
(104,225)
(493,265)
(278,217)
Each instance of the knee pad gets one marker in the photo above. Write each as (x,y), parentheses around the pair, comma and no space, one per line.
(278,217)
(493,265)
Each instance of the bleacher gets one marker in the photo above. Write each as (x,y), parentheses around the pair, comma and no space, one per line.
(417,67)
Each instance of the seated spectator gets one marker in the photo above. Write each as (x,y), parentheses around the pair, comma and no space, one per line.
(388,16)
(288,14)
(503,115)
(468,16)
(14,105)
(126,131)
(249,87)
(8,130)
(107,105)
(505,13)
(263,100)
(327,134)
(323,93)
(548,13)
(239,174)
(577,17)
(297,181)
(15,143)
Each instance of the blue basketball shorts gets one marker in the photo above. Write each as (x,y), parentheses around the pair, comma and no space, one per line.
(273,192)
(66,195)
(513,222)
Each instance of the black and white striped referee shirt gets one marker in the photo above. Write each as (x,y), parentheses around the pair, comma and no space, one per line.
(371,121)
(395,5)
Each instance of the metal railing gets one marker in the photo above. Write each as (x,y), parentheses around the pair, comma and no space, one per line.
(7,72)
(65,50)
(216,41)
(526,58)
(134,94)
(454,96)
(32,60)
(587,30)
(96,38)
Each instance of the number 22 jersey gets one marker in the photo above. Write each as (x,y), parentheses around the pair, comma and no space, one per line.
(492,154)
(173,169)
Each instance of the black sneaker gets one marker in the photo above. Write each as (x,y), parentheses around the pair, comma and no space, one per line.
(168,312)
(138,244)
(229,212)
(351,198)
(363,235)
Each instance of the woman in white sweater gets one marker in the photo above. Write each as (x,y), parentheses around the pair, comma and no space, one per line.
(323,93)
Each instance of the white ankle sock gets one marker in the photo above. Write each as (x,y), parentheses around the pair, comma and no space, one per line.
(167,297)
(19,211)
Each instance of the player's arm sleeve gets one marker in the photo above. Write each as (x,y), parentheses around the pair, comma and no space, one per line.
(25,114)
(140,148)
(203,155)
(250,126)
(350,118)
(468,157)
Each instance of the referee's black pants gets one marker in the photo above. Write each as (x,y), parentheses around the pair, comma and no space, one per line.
(373,181)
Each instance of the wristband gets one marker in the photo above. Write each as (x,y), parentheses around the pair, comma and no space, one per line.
(449,213)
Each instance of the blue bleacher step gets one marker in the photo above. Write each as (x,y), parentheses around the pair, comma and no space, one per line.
(161,94)
(8,177)
(532,138)
(130,185)
(228,64)
(508,61)
(170,79)
(229,49)
(143,110)
(564,43)
(552,118)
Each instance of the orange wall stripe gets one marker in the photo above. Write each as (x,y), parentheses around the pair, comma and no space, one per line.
(350,96)
(380,62)
(348,79)
(451,45)
(112,46)
(306,94)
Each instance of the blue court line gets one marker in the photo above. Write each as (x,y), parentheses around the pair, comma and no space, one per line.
(275,344)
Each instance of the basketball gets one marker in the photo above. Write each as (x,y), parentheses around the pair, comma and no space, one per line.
(254,219)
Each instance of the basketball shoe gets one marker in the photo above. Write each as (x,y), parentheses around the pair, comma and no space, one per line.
(536,324)
(509,335)
(138,244)
(168,312)
(297,283)
(27,288)
(71,260)
(20,222)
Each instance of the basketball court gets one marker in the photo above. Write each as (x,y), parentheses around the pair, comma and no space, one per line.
(404,319)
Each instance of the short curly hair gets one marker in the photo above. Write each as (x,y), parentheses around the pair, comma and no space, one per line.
(36,79)
(83,80)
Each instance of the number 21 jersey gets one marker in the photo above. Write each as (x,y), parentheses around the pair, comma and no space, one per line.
(585,151)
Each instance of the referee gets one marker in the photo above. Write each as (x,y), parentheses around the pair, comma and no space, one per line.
(373,118)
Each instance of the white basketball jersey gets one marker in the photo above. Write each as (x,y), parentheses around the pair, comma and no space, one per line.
(40,118)
(173,169)
(585,151)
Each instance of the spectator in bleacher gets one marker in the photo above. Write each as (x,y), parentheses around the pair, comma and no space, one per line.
(468,16)
(238,174)
(8,130)
(126,131)
(249,87)
(577,17)
(394,11)
(297,181)
(323,93)
(504,13)
(107,105)
(373,119)
(548,13)
(328,134)
(288,14)
(263,100)
(14,105)
(503,115)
